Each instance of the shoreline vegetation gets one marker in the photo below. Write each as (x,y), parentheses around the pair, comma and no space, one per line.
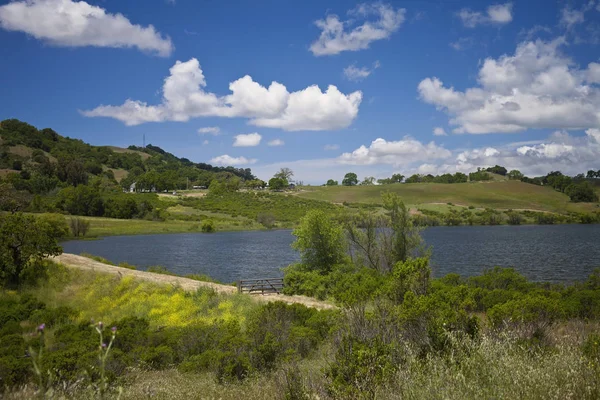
(94,330)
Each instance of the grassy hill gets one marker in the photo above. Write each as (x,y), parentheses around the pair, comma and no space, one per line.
(501,194)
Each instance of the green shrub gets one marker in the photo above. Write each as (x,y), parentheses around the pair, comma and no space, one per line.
(208,226)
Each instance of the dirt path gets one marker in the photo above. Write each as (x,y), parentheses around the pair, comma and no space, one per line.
(190,285)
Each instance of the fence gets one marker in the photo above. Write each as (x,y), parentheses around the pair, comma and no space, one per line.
(262,286)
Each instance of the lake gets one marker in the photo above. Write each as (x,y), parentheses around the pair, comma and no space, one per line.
(553,253)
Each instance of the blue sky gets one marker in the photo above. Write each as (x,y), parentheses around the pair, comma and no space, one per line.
(358,86)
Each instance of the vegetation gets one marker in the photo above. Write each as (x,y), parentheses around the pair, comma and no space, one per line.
(397,333)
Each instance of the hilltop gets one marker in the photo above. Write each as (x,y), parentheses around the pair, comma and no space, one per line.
(42,171)
(497,194)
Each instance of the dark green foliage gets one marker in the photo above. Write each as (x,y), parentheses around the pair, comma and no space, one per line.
(79,226)
(266,219)
(24,242)
(350,179)
(208,226)
(581,192)
(479,176)
(498,170)
(278,183)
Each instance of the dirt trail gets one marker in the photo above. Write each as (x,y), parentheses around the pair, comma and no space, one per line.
(190,285)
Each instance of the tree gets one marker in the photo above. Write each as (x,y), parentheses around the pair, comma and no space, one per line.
(497,170)
(350,179)
(320,242)
(331,182)
(25,240)
(284,173)
(278,183)
(406,238)
(369,180)
(515,174)
(581,192)
(397,178)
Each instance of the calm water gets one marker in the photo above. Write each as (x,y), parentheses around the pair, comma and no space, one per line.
(556,253)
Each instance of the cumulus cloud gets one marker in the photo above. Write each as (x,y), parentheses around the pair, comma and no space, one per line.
(228,160)
(209,130)
(355,74)
(401,152)
(184,97)
(498,14)
(247,140)
(331,147)
(537,87)
(561,151)
(275,142)
(76,24)
(336,37)
(439,131)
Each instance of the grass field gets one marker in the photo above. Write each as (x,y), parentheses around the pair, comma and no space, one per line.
(497,194)
(100,226)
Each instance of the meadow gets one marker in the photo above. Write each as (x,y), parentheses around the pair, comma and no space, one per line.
(502,195)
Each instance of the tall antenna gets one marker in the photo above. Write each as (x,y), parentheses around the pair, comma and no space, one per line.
(144,141)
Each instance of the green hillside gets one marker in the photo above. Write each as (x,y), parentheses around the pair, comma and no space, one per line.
(493,194)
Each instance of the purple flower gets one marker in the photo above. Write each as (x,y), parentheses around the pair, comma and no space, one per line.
(114,329)
(103,345)
(100,325)
(41,328)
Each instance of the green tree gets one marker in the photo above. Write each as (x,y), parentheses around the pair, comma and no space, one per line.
(369,180)
(25,240)
(81,200)
(284,173)
(350,179)
(276,183)
(331,182)
(320,242)
(515,174)
(405,237)
(581,192)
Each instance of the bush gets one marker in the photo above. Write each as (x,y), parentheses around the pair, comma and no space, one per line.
(266,219)
(79,226)
(208,226)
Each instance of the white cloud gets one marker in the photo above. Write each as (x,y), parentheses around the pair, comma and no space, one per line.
(537,87)
(228,160)
(353,73)
(570,17)
(498,14)
(560,152)
(462,43)
(247,140)
(401,152)
(276,142)
(76,24)
(205,142)
(331,147)
(184,97)
(439,131)
(335,37)
(209,130)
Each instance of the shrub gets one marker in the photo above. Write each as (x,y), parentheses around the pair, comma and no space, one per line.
(79,226)
(266,219)
(208,226)
(514,218)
